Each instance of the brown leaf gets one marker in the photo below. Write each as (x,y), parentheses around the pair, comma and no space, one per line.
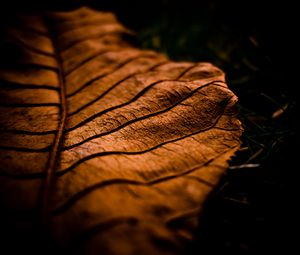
(111,149)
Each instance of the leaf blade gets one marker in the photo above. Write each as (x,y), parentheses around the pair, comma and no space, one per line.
(140,141)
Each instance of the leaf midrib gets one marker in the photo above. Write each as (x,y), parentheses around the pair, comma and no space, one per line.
(48,181)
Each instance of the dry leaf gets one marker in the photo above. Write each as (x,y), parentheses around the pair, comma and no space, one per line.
(108,148)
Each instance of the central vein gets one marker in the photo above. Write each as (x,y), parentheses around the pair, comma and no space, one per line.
(55,150)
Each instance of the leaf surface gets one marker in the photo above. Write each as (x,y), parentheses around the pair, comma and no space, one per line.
(106,147)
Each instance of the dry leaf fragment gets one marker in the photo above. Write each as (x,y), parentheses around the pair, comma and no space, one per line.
(114,148)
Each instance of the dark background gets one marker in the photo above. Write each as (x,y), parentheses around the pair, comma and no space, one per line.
(250,211)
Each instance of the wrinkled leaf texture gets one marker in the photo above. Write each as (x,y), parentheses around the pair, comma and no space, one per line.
(106,148)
